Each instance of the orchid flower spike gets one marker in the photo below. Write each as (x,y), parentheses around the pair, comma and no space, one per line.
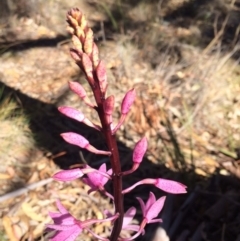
(152,208)
(97,181)
(68,228)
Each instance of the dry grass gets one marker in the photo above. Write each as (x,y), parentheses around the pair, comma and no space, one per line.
(17,142)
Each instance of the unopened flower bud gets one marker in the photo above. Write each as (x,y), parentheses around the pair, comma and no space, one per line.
(72,113)
(88,67)
(78,89)
(128,101)
(95,55)
(88,42)
(76,55)
(77,43)
(102,76)
(78,140)
(101,72)
(139,150)
(68,175)
(75,139)
(170,186)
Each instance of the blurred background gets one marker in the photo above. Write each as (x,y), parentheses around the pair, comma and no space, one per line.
(181,56)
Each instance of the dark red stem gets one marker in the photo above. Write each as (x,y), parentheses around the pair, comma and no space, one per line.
(115,164)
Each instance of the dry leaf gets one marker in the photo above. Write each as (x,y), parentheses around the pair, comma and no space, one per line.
(7,223)
(29,211)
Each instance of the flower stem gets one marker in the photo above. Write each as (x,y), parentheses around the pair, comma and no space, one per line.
(114,160)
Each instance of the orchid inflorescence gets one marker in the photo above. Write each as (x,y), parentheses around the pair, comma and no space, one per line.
(66,227)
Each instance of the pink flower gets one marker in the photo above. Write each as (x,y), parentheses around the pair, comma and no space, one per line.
(67,227)
(170,186)
(95,180)
(152,208)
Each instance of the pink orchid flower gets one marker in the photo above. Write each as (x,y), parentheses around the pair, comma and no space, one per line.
(68,228)
(152,208)
(127,219)
(97,181)
(150,211)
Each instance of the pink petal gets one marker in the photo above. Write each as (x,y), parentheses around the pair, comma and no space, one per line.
(60,207)
(142,206)
(139,150)
(155,209)
(72,113)
(74,235)
(132,227)
(128,216)
(95,178)
(68,235)
(170,186)
(75,139)
(78,89)
(103,168)
(60,227)
(128,101)
(68,175)
(151,200)
(54,215)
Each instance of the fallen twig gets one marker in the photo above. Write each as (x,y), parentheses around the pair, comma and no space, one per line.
(24,189)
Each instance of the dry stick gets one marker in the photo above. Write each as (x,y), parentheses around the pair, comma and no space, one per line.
(217,37)
(25,189)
